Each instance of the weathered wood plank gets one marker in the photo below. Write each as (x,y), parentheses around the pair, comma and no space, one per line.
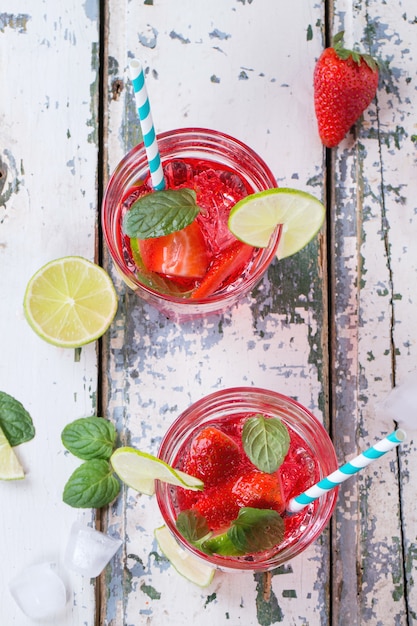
(48,147)
(216,70)
(374,225)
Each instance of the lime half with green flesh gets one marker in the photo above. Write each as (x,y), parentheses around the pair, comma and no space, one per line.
(139,470)
(10,468)
(186,564)
(70,302)
(254,218)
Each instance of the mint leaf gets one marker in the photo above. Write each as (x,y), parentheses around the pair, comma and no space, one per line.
(192,526)
(89,438)
(92,485)
(254,530)
(15,421)
(266,442)
(160,213)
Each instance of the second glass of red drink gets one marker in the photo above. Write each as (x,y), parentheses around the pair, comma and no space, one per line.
(207,441)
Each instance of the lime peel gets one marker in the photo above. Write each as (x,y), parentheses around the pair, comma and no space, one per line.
(187,565)
(10,467)
(139,470)
(254,219)
(70,302)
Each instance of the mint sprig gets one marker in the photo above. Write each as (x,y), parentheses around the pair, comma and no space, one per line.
(266,442)
(254,530)
(15,421)
(92,484)
(160,213)
(89,438)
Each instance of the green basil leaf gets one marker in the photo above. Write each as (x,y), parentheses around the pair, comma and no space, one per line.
(256,530)
(15,421)
(192,526)
(89,438)
(266,442)
(92,485)
(160,213)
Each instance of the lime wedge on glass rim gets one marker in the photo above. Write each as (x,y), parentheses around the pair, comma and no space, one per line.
(10,468)
(70,302)
(254,218)
(186,564)
(139,470)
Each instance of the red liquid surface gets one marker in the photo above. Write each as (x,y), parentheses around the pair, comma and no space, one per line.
(217,191)
(221,498)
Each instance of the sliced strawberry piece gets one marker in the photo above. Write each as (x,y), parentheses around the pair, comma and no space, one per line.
(260,491)
(218,506)
(183,253)
(229,263)
(213,456)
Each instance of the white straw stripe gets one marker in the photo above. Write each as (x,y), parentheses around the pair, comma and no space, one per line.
(146,122)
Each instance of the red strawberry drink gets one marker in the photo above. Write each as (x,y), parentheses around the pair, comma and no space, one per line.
(254,450)
(198,267)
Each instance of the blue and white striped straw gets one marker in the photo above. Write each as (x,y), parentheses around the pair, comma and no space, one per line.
(148,131)
(345,471)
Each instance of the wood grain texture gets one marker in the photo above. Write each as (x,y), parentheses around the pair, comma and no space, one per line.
(215,71)
(374,281)
(48,149)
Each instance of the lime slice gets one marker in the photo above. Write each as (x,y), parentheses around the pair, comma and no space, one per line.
(254,219)
(70,302)
(185,563)
(10,468)
(139,470)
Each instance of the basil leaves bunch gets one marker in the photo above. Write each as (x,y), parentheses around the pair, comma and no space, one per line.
(93,484)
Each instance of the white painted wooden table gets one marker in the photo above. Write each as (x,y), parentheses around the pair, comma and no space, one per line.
(334,326)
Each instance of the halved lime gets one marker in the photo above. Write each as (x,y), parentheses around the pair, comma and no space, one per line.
(70,302)
(10,468)
(139,470)
(186,564)
(254,219)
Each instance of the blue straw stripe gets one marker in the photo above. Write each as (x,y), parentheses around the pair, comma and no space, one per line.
(138,82)
(349,469)
(155,163)
(144,110)
(326,484)
(372,453)
(160,186)
(304,499)
(149,138)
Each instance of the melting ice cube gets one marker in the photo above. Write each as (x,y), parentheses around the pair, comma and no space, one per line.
(39,591)
(88,550)
(401,403)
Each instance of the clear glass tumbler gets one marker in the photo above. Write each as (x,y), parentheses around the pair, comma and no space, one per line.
(302,528)
(200,146)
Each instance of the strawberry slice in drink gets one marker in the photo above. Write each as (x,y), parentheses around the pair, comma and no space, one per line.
(181,254)
(213,456)
(227,265)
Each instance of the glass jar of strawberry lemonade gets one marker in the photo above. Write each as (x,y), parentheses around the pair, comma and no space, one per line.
(203,268)
(206,441)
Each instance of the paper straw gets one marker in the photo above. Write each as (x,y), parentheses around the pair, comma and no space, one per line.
(345,471)
(148,131)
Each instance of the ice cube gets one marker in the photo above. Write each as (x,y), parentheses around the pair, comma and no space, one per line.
(39,591)
(88,550)
(401,403)
(178,173)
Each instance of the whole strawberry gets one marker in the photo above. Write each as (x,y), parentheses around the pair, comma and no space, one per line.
(345,83)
